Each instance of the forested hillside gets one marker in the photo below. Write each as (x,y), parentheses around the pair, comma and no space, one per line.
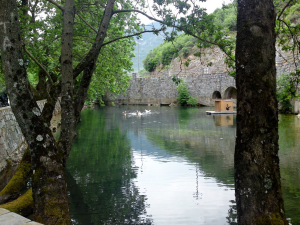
(287,30)
(145,44)
(183,45)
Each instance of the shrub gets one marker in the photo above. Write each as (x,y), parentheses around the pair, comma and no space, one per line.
(192,101)
(183,93)
(286,90)
(184,96)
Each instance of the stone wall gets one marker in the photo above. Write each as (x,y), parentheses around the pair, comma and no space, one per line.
(162,90)
(12,141)
(204,75)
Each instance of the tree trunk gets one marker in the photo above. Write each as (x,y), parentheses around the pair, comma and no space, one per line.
(257,176)
(18,182)
(48,158)
(49,186)
(67,103)
(22,205)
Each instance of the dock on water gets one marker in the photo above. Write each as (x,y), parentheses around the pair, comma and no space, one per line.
(222,107)
(10,218)
(219,113)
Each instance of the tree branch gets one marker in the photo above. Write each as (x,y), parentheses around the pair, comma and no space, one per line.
(101,34)
(177,27)
(87,23)
(56,4)
(138,11)
(39,65)
(132,35)
(287,5)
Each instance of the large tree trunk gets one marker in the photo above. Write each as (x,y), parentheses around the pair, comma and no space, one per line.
(48,158)
(18,182)
(49,186)
(257,176)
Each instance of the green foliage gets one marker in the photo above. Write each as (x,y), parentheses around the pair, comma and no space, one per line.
(151,61)
(184,96)
(203,32)
(176,80)
(183,93)
(192,101)
(42,38)
(226,17)
(287,30)
(286,90)
(163,54)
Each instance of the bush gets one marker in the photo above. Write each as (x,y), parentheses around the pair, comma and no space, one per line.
(286,90)
(183,93)
(184,96)
(192,101)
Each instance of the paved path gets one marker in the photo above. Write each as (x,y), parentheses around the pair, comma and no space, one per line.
(10,218)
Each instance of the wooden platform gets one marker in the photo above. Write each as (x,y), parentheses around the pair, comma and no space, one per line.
(218,113)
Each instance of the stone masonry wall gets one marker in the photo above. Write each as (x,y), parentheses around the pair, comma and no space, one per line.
(12,141)
(202,78)
(162,90)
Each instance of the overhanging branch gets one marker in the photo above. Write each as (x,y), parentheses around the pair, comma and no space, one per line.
(56,4)
(86,23)
(287,5)
(39,65)
(132,35)
(172,25)
(137,11)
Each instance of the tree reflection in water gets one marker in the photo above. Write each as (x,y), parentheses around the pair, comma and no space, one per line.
(100,176)
(101,164)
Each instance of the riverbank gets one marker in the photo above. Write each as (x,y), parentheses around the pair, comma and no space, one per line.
(9,218)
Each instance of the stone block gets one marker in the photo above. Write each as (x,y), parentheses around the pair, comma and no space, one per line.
(3,211)
(12,219)
(32,223)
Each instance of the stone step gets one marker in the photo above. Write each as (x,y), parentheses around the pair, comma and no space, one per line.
(10,218)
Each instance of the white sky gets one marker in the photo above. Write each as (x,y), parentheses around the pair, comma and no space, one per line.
(210,5)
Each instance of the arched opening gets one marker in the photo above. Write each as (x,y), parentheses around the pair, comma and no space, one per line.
(230,93)
(216,95)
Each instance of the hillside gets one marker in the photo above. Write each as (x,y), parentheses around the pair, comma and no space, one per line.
(148,42)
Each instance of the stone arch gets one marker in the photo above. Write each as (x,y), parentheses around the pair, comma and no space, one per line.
(216,95)
(230,93)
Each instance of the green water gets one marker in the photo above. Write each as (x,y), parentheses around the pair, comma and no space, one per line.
(170,166)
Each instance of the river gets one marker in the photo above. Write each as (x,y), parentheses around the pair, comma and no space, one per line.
(169,166)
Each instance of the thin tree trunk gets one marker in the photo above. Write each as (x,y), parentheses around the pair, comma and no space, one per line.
(67,104)
(257,176)
(97,45)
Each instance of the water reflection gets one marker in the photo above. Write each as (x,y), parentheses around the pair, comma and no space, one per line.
(170,166)
(100,176)
(289,155)
(223,120)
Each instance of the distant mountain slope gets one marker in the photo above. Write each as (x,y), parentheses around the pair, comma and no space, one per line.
(148,42)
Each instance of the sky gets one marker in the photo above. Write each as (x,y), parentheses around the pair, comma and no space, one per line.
(210,5)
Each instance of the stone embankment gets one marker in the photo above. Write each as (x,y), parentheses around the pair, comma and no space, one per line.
(10,218)
(12,141)
(206,76)
(162,90)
